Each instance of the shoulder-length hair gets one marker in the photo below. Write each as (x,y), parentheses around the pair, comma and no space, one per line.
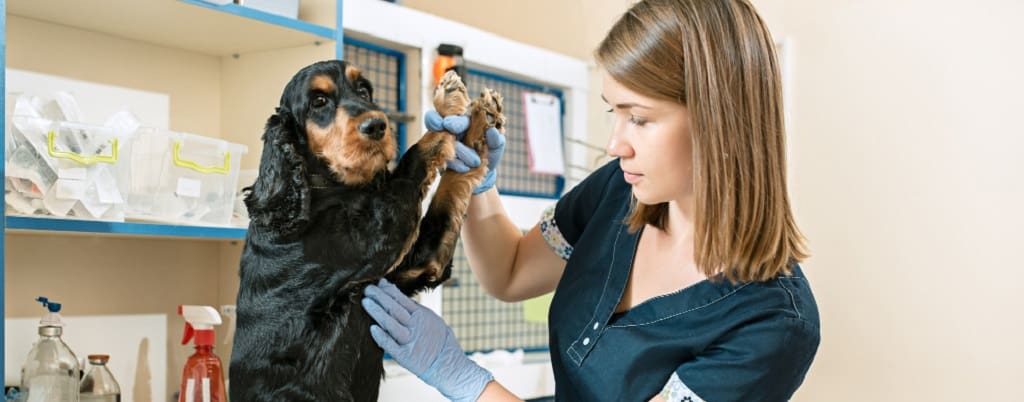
(718,59)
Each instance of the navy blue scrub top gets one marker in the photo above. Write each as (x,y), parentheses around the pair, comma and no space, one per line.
(726,342)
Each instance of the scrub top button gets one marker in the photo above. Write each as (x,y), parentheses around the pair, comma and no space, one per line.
(586,341)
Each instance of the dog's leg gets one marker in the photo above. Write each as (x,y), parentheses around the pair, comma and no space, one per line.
(424,160)
(429,262)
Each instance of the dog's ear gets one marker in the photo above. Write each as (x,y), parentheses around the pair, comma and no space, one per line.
(279,200)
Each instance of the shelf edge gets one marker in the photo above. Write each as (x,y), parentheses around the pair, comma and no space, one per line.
(262,16)
(45,224)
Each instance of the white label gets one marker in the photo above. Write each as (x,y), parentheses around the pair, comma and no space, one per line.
(190,390)
(188,188)
(68,189)
(78,173)
(206,389)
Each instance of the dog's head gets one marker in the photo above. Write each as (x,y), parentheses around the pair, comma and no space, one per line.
(326,124)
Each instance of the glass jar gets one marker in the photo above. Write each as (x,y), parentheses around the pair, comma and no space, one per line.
(99,384)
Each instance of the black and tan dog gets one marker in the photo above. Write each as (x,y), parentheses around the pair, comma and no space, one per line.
(328,217)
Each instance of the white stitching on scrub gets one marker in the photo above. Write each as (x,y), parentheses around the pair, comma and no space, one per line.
(683,312)
(791,298)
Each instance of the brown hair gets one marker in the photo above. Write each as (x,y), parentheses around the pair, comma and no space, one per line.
(717,58)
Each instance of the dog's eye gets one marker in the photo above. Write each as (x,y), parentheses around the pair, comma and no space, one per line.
(364,93)
(319,101)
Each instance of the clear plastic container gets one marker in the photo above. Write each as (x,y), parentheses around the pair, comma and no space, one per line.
(183,178)
(70,169)
(99,384)
(51,371)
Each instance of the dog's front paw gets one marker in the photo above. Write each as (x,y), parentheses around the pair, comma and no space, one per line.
(485,112)
(450,96)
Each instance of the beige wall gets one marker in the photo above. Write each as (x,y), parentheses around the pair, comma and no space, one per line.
(906,176)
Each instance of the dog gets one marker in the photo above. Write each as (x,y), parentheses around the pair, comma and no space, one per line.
(330,213)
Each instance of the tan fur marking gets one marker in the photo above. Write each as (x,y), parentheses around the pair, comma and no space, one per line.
(322,83)
(352,73)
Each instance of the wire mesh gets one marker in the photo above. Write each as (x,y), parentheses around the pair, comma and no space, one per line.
(483,323)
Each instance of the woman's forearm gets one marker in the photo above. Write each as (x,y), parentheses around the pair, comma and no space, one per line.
(490,241)
(494,392)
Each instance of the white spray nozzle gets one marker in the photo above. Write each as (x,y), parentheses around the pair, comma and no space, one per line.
(199,318)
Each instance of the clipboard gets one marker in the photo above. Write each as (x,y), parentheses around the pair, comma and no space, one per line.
(542,113)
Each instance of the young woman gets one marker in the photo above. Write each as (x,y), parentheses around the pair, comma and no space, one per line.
(675,266)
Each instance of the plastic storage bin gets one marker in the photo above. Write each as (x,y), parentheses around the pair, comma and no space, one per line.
(67,169)
(183,178)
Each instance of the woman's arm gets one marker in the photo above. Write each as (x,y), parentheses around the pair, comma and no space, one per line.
(494,392)
(509,265)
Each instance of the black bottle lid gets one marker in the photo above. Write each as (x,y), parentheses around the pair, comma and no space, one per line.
(449,50)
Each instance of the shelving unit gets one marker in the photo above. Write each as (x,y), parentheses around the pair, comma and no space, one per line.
(193,26)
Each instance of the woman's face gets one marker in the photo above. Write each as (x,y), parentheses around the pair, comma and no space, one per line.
(652,140)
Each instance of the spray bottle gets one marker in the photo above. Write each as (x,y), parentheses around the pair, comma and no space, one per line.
(203,378)
(51,372)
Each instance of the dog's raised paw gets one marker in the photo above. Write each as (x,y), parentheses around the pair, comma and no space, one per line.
(485,112)
(491,103)
(450,95)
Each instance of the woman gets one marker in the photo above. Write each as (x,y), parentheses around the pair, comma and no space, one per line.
(674,266)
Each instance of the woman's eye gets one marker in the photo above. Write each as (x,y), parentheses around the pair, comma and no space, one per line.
(637,121)
(319,101)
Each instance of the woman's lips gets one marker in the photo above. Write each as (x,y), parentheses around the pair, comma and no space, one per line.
(632,178)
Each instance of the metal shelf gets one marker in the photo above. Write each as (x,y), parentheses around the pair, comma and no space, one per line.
(29,224)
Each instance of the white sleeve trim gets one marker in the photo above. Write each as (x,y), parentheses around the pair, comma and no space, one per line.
(676,391)
(552,235)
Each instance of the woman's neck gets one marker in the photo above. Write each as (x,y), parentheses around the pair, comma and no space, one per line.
(680,223)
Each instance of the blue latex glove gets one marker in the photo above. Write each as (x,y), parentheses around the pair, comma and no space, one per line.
(421,342)
(465,157)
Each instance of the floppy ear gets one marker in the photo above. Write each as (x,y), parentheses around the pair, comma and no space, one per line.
(279,200)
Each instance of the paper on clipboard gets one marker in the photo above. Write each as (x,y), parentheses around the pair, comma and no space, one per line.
(543,115)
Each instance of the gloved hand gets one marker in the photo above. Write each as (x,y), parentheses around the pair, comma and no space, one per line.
(465,157)
(421,342)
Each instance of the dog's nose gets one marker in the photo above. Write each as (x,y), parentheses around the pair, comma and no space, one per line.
(374,128)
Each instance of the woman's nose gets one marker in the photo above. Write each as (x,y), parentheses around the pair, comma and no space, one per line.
(618,147)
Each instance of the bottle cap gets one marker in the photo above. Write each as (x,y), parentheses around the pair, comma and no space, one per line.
(447,49)
(52,319)
(99,359)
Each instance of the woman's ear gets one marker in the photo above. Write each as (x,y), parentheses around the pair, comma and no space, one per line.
(279,199)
